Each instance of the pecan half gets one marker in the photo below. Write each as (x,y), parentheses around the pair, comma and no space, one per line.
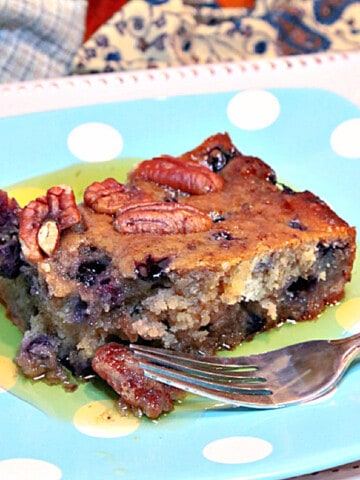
(121,370)
(110,195)
(62,206)
(42,220)
(48,237)
(162,218)
(189,177)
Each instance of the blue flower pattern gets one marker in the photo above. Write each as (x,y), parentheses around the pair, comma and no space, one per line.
(163,33)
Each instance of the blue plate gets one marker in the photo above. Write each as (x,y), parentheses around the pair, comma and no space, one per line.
(309,137)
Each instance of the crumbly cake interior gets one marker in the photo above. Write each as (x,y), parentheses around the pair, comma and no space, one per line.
(206,250)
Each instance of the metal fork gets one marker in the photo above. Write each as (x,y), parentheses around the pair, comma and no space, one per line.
(288,376)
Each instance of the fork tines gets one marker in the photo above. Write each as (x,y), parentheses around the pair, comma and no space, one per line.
(202,375)
(218,363)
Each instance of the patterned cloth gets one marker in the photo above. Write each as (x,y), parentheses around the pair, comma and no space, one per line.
(43,38)
(161,33)
(39,38)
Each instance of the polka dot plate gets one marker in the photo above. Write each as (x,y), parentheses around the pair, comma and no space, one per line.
(311,138)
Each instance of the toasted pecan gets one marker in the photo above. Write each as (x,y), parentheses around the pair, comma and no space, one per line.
(42,220)
(189,177)
(161,218)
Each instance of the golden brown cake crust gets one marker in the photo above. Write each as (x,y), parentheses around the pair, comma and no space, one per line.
(252,215)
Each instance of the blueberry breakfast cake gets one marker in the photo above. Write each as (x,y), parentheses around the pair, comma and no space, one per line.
(194,253)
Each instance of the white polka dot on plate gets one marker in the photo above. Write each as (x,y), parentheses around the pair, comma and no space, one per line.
(28,469)
(345,139)
(253,109)
(236,450)
(95,142)
(100,419)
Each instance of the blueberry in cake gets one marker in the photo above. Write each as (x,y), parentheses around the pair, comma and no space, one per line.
(194,253)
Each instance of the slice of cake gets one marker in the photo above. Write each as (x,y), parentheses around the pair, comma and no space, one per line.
(195,253)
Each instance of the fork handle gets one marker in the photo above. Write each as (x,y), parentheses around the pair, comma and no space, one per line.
(351,344)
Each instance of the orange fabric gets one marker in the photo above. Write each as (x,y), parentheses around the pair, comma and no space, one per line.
(99,11)
(236,3)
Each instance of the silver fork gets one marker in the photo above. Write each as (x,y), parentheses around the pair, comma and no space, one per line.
(288,376)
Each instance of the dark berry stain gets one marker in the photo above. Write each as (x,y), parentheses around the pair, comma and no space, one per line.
(88,271)
(286,189)
(80,310)
(218,158)
(302,285)
(10,261)
(153,270)
(254,323)
(216,217)
(297,225)
(42,346)
(95,273)
(222,235)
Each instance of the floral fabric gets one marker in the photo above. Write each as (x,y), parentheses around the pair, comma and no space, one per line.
(162,33)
